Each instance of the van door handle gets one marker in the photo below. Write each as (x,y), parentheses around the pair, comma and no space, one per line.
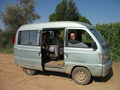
(66,55)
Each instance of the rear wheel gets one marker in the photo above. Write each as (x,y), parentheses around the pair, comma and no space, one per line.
(81,75)
(29,71)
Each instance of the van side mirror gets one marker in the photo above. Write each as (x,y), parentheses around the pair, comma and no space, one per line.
(94,45)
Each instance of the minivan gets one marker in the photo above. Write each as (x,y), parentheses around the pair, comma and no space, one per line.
(70,47)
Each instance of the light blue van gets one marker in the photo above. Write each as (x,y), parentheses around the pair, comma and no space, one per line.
(74,48)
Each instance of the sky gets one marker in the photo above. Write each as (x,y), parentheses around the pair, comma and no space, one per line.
(96,11)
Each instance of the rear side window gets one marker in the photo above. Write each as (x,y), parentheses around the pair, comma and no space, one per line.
(28,37)
(33,37)
(24,37)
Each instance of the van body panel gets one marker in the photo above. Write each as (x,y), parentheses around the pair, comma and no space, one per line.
(106,67)
(95,69)
(55,69)
(28,56)
(85,58)
(60,24)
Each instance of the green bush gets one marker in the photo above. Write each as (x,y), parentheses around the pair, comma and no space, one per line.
(6,50)
(5,39)
(111,33)
(6,45)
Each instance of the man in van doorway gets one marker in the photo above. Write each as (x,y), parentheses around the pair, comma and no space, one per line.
(72,42)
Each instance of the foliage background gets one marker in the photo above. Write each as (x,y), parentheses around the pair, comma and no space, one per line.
(111,33)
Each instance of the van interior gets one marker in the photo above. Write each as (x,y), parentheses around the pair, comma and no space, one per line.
(52,45)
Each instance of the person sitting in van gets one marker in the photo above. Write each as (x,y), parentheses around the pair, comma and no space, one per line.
(48,40)
(43,47)
(75,43)
(44,43)
(58,41)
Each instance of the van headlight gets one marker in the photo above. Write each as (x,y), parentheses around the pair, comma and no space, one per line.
(104,56)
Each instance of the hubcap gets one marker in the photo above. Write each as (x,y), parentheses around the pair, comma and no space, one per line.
(80,76)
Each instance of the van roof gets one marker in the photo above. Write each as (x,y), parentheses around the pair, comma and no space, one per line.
(57,24)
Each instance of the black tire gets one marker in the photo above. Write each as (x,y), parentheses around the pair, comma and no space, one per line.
(29,71)
(81,75)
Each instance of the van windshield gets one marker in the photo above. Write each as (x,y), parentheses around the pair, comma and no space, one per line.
(99,37)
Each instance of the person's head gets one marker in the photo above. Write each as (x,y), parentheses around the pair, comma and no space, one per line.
(73,36)
(57,34)
(48,34)
(44,36)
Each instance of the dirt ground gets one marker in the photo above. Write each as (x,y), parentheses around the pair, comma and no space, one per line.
(13,78)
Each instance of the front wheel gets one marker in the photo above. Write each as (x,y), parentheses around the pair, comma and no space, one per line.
(81,75)
(29,71)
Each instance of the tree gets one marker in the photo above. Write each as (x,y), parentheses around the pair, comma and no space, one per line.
(65,11)
(83,19)
(18,14)
(1,31)
(52,17)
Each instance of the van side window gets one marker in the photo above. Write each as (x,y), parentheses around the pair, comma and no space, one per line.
(34,37)
(23,37)
(28,37)
(79,38)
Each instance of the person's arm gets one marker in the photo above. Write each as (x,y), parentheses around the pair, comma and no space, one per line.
(62,43)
